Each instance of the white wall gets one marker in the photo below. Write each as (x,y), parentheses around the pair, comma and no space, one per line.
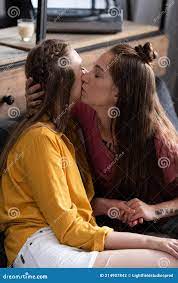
(72,3)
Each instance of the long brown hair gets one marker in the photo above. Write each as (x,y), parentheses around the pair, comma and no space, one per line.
(48,64)
(141,117)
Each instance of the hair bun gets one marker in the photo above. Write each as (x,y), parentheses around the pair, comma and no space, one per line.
(146,52)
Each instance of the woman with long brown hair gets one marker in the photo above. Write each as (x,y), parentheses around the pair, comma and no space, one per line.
(131,144)
(44,206)
(142,142)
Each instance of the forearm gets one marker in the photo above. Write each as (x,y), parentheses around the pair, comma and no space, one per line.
(100,206)
(110,207)
(124,240)
(166,209)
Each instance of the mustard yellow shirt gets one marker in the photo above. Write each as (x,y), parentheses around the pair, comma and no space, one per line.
(42,187)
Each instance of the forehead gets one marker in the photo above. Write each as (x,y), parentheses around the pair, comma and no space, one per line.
(75,58)
(105,59)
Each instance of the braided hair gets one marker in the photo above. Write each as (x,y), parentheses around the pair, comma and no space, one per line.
(48,64)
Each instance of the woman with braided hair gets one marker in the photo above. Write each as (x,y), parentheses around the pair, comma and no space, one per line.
(45,208)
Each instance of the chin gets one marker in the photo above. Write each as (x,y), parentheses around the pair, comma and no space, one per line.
(83,98)
(75,99)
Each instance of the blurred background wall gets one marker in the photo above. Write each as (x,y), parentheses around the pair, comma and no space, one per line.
(148,12)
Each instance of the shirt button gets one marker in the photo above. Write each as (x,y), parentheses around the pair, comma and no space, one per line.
(22,259)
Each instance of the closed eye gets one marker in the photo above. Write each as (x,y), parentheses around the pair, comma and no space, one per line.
(98,72)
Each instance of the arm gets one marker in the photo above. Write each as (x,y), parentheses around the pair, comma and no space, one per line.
(166,209)
(170,173)
(104,206)
(56,200)
(153,212)
(129,241)
(114,208)
(123,240)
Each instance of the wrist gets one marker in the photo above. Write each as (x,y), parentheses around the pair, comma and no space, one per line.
(105,204)
(98,206)
(154,215)
(153,242)
(145,242)
(157,212)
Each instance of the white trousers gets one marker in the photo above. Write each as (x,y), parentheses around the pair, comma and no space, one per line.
(43,249)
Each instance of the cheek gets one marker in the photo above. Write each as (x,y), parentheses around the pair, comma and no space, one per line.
(103,92)
(76,89)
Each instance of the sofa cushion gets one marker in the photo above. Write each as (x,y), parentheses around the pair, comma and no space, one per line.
(3,258)
(6,126)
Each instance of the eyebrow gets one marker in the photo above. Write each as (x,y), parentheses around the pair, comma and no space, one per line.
(99,67)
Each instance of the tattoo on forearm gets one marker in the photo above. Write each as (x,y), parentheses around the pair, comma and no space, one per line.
(166,211)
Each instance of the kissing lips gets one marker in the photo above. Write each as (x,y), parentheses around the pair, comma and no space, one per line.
(83,91)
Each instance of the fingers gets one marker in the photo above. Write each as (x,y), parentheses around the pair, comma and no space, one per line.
(126,214)
(141,220)
(137,215)
(133,223)
(121,215)
(174,246)
(34,96)
(125,207)
(35,103)
(33,89)
(28,83)
(172,251)
(130,202)
(125,218)
(136,222)
(133,205)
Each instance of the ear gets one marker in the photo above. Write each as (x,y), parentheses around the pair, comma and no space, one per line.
(115,93)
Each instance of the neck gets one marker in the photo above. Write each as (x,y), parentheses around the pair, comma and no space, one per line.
(104,121)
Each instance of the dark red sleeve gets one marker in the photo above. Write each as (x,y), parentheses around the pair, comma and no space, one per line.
(167,154)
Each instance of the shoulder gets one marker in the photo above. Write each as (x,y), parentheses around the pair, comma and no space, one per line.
(82,112)
(167,155)
(40,134)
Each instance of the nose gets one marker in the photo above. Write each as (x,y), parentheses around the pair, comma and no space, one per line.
(84,71)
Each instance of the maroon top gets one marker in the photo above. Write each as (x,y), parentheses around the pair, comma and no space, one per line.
(102,162)
(100,157)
